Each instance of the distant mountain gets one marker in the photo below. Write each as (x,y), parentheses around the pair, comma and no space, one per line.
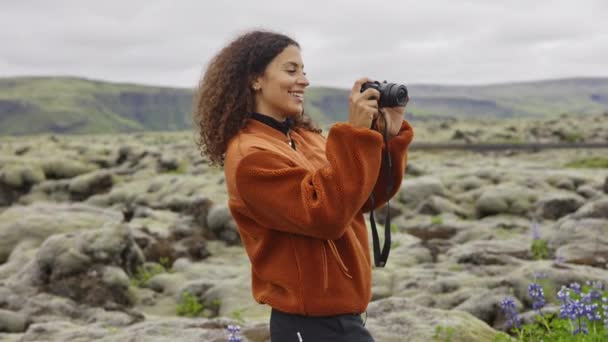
(32,105)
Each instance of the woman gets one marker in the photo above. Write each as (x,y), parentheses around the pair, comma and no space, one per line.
(298,199)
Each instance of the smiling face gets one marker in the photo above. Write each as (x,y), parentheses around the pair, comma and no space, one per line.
(280,90)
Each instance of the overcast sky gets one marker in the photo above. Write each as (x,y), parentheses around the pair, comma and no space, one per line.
(418,41)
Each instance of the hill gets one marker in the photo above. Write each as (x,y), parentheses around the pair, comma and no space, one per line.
(33,105)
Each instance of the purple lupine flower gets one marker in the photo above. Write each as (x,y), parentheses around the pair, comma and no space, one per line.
(233,333)
(508,307)
(596,284)
(559,260)
(563,294)
(535,231)
(576,287)
(538,295)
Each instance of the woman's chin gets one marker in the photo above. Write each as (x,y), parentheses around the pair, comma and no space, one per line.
(294,111)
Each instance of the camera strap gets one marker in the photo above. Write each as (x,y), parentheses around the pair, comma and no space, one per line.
(381,257)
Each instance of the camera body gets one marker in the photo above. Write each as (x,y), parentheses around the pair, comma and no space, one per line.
(391,94)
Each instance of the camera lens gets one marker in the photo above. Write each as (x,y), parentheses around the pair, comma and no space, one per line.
(401,95)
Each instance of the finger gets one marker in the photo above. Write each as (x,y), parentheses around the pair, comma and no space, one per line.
(357,86)
(370,93)
(371,103)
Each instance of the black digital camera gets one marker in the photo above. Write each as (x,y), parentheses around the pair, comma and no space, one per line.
(391,94)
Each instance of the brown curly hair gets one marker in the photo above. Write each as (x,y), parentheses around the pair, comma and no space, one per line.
(224,99)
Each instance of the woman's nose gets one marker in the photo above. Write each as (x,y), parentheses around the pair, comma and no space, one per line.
(303,81)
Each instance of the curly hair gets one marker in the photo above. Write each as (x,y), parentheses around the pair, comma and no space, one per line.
(224,99)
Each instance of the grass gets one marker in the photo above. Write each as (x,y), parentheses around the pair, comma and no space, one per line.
(589,163)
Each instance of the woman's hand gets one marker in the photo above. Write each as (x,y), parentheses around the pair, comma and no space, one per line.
(394,119)
(362,106)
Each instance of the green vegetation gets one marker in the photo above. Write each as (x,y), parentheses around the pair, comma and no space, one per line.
(589,163)
(144,274)
(436,220)
(540,249)
(190,306)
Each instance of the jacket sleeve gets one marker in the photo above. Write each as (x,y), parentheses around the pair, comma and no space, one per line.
(397,147)
(321,203)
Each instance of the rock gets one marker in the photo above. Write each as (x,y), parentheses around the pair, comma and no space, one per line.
(484,304)
(16,180)
(414,191)
(589,192)
(467,182)
(606,185)
(581,241)
(39,221)
(153,330)
(413,170)
(436,205)
(505,199)
(19,176)
(84,186)
(595,209)
(433,228)
(12,322)
(395,319)
(86,266)
(221,223)
(60,168)
(480,252)
(167,163)
(554,206)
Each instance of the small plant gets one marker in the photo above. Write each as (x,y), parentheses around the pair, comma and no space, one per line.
(436,220)
(190,306)
(144,274)
(539,247)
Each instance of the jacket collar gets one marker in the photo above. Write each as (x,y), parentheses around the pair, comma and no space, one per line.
(283,127)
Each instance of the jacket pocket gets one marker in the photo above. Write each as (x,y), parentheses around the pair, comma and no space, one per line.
(334,250)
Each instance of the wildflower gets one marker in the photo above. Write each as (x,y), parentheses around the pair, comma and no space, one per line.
(576,287)
(508,307)
(535,231)
(234,333)
(536,292)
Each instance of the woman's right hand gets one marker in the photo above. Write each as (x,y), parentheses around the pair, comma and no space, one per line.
(363,106)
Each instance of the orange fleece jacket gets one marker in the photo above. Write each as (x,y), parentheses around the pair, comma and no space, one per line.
(300,212)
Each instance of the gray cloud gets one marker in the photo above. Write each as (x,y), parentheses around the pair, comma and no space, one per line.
(431,41)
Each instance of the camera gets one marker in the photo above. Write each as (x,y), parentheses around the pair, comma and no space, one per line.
(391,94)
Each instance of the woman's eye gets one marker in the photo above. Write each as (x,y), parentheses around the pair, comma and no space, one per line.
(291,71)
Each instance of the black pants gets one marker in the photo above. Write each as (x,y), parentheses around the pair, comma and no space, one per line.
(286,327)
